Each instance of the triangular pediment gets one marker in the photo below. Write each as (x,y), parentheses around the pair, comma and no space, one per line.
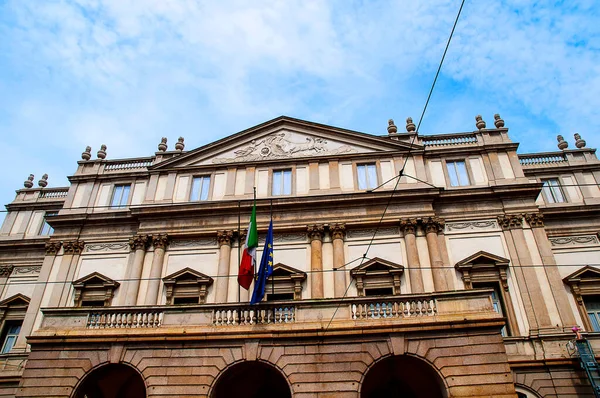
(482,258)
(96,278)
(586,273)
(284,138)
(18,300)
(188,274)
(377,265)
(284,271)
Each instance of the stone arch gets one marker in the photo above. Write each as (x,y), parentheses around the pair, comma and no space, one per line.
(253,379)
(525,391)
(111,380)
(404,375)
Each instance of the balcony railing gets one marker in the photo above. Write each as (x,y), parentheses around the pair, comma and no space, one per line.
(54,193)
(543,159)
(450,140)
(128,165)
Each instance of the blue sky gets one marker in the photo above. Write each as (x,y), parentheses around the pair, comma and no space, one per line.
(127,72)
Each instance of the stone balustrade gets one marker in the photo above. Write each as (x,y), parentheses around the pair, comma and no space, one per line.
(54,193)
(543,159)
(128,165)
(393,308)
(449,140)
(118,319)
(248,315)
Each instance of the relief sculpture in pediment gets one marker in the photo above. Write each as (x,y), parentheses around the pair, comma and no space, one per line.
(280,146)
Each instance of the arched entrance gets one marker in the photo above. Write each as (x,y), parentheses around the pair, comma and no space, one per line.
(402,376)
(251,379)
(112,381)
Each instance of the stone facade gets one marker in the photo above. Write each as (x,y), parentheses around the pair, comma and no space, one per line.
(443,265)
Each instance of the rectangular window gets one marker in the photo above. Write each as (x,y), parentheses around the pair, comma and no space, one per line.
(120,196)
(11,333)
(592,306)
(200,187)
(552,191)
(496,300)
(367,176)
(457,171)
(282,182)
(46,228)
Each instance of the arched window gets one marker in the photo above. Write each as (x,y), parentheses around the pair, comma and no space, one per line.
(113,380)
(251,379)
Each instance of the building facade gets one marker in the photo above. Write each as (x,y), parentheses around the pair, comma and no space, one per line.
(422,266)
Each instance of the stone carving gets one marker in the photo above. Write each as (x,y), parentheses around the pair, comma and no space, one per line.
(179,145)
(587,240)
(52,248)
(410,126)
(139,242)
(36,269)
(6,270)
(408,226)
(160,241)
(433,224)
(471,225)
(193,242)
(29,181)
(279,237)
(337,231)
(163,144)
(43,183)
(87,154)
(479,122)
(279,146)
(106,247)
(224,237)
(392,129)
(363,233)
(562,144)
(73,247)
(535,220)
(511,221)
(102,152)
(579,142)
(315,232)
(498,121)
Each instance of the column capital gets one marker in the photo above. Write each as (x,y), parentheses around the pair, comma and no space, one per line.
(433,224)
(511,221)
(408,226)
(6,270)
(337,231)
(160,241)
(535,220)
(139,242)
(73,247)
(315,232)
(224,237)
(52,248)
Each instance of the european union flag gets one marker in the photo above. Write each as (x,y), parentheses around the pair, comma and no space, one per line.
(266,268)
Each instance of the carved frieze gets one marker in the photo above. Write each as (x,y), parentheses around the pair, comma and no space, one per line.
(193,242)
(35,269)
(224,237)
(279,237)
(6,270)
(368,233)
(73,247)
(471,225)
(139,242)
(511,221)
(535,220)
(106,247)
(280,146)
(581,240)
(52,248)
(315,232)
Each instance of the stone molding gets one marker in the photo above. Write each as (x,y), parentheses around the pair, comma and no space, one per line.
(35,269)
(139,242)
(73,247)
(511,221)
(535,220)
(224,237)
(471,225)
(337,231)
(52,248)
(160,241)
(106,247)
(580,240)
(368,233)
(315,232)
(192,242)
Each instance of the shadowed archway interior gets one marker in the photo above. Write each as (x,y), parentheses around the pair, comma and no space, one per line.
(112,381)
(402,376)
(251,379)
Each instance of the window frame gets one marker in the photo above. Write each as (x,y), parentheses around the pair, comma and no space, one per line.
(12,311)
(50,230)
(358,166)
(273,172)
(548,191)
(468,171)
(6,335)
(208,191)
(584,282)
(120,205)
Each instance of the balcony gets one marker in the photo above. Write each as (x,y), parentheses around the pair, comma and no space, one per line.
(307,317)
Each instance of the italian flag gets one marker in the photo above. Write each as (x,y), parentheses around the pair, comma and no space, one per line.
(246,272)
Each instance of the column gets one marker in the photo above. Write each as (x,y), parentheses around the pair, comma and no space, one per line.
(529,286)
(315,235)
(138,244)
(33,309)
(438,271)
(338,231)
(160,243)
(408,228)
(536,222)
(71,251)
(224,238)
(449,269)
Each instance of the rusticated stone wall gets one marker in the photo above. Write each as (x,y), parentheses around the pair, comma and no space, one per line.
(554,381)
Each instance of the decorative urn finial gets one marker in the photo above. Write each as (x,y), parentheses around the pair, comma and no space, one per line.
(579,142)
(179,145)
(562,144)
(29,181)
(498,121)
(87,154)
(102,152)
(410,126)
(44,181)
(163,144)
(479,122)
(392,129)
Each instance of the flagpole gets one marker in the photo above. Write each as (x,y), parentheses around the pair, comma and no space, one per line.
(239,246)
(272,280)
(254,188)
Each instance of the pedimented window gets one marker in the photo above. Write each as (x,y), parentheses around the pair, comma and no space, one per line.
(187,286)
(285,283)
(377,277)
(12,313)
(94,290)
(585,286)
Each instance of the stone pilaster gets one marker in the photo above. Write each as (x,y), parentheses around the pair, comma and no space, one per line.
(224,238)
(66,272)
(138,244)
(315,235)
(433,226)
(160,243)
(338,232)
(409,229)
(529,285)
(536,222)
